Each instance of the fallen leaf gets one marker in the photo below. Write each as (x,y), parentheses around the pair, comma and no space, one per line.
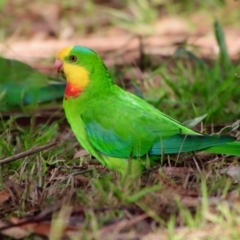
(4,196)
(232,171)
(14,232)
(80,153)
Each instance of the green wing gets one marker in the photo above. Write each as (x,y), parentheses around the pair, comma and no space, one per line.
(20,84)
(136,128)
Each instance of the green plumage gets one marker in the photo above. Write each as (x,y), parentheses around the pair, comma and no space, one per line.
(114,125)
(21,85)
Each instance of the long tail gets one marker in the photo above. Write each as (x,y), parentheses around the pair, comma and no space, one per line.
(232,148)
(189,143)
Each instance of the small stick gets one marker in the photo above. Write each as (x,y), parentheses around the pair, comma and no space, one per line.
(27,153)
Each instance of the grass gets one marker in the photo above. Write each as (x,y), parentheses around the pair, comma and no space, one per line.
(187,82)
(188,197)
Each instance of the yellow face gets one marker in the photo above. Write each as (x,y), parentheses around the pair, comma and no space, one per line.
(63,53)
(77,76)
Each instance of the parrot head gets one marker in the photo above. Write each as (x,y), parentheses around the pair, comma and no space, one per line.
(82,68)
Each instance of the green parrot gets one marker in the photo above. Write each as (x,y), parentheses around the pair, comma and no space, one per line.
(22,85)
(118,128)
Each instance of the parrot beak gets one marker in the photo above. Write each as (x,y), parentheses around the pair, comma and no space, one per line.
(58,65)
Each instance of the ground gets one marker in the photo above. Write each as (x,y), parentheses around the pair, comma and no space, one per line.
(181,57)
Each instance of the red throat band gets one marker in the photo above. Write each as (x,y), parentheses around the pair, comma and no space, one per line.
(72,90)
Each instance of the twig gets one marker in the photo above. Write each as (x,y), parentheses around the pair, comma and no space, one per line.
(122,224)
(27,153)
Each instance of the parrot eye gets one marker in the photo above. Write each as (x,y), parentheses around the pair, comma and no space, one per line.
(72,58)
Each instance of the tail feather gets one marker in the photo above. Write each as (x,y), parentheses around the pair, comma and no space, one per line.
(232,148)
(187,143)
